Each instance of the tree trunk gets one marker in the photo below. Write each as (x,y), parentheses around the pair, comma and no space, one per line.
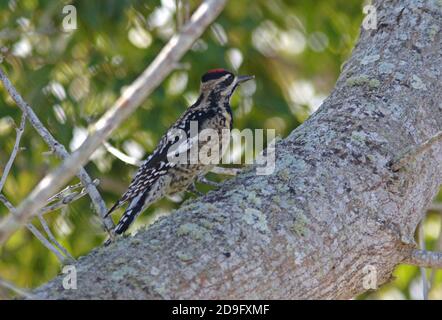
(331,214)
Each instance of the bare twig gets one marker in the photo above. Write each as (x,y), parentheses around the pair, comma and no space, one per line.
(34,231)
(53,239)
(62,203)
(7,203)
(424,258)
(436,207)
(68,190)
(422,269)
(412,153)
(121,155)
(8,165)
(178,15)
(438,247)
(132,97)
(46,243)
(57,148)
(182,13)
(64,197)
(21,292)
(186,9)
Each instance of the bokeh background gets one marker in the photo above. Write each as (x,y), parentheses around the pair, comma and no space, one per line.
(294,48)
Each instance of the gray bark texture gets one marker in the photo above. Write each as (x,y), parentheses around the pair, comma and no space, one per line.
(332,207)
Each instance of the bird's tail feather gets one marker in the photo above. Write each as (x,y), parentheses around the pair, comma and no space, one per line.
(133,210)
(115,206)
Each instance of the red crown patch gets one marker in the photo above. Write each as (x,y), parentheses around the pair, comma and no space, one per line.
(216,70)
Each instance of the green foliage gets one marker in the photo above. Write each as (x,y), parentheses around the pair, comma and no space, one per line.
(294,48)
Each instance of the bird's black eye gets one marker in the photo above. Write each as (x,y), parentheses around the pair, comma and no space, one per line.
(228,81)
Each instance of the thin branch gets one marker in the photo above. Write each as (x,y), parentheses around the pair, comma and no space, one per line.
(68,190)
(58,149)
(21,292)
(11,208)
(53,239)
(64,198)
(178,15)
(121,155)
(435,207)
(34,231)
(414,152)
(438,247)
(8,165)
(62,203)
(182,13)
(46,243)
(424,258)
(423,272)
(186,11)
(7,203)
(132,97)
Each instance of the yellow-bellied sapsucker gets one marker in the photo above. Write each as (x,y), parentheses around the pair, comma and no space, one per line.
(158,176)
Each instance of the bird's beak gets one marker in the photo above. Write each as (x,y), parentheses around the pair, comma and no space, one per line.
(241,79)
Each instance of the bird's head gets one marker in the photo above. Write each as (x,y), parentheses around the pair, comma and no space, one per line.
(221,81)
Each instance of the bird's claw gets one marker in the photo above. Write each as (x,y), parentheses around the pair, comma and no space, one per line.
(209,182)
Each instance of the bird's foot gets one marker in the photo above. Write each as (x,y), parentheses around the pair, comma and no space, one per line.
(107,242)
(111,237)
(226,171)
(204,180)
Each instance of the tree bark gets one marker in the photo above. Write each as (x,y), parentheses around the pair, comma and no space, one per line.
(333,206)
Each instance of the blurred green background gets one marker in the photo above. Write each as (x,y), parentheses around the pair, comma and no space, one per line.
(294,48)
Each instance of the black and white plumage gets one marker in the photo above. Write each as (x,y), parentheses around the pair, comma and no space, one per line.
(157,176)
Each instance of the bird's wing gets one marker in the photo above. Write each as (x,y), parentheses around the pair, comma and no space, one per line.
(150,170)
(157,164)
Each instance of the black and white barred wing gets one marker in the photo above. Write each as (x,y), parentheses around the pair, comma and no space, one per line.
(148,185)
(150,170)
(171,147)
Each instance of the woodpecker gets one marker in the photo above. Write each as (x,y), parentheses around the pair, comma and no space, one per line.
(158,176)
